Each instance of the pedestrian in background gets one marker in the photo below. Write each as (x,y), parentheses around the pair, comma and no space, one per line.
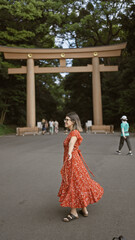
(46,126)
(56,126)
(124,136)
(51,127)
(77,189)
(43,126)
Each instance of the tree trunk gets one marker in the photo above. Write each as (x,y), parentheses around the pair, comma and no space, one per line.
(3,115)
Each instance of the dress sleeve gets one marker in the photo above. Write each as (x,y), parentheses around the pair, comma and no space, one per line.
(77,134)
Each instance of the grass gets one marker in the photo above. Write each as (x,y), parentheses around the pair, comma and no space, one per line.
(5,129)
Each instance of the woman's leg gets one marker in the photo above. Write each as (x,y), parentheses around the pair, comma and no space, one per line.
(121,143)
(128,143)
(85,211)
(71,216)
(74,212)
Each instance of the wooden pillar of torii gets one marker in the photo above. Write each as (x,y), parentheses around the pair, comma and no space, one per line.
(62,54)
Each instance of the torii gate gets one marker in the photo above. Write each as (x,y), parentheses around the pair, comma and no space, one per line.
(30,54)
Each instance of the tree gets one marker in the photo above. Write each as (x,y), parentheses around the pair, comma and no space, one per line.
(49,96)
(30,24)
(105,23)
(79,93)
(38,23)
(119,88)
(94,23)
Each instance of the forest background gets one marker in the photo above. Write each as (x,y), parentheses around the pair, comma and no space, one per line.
(74,24)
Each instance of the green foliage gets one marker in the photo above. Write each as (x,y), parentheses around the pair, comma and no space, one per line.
(79,93)
(132,128)
(95,23)
(119,88)
(27,24)
(104,23)
(36,24)
(48,97)
(4,129)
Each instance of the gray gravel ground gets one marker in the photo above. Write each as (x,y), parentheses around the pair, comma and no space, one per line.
(30,179)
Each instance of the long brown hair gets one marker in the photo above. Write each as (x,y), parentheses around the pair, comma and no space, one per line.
(76,120)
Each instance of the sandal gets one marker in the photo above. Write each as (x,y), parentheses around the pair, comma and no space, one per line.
(70,217)
(83,214)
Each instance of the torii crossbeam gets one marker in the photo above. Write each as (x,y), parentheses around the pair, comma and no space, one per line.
(31,54)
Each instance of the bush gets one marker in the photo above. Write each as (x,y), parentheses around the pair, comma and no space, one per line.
(132,128)
(4,129)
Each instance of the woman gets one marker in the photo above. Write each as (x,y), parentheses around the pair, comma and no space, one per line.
(124,136)
(77,189)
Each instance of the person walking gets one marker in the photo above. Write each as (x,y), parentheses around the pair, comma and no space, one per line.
(51,127)
(46,126)
(124,136)
(77,189)
(56,126)
(43,126)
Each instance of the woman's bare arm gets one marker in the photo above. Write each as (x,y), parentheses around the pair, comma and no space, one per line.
(71,146)
(123,133)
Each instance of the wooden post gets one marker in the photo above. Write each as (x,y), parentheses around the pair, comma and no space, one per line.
(96,86)
(31,110)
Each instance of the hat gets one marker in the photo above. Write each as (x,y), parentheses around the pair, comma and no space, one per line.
(124,118)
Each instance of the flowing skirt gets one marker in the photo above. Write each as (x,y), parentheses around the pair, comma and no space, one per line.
(77,188)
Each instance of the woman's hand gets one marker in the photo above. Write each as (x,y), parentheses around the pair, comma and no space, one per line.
(69,156)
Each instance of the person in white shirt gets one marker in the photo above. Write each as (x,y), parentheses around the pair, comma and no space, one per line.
(51,126)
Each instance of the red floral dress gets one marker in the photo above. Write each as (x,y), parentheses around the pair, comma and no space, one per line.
(77,189)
